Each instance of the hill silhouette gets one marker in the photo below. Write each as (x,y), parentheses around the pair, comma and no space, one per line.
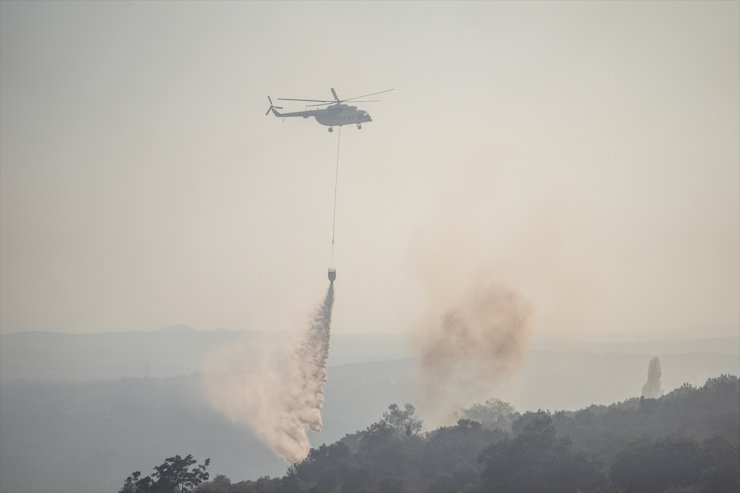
(686,441)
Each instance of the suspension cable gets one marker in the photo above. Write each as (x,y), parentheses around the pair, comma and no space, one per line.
(336,181)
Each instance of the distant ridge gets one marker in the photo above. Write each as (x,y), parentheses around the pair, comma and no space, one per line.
(170,351)
(170,328)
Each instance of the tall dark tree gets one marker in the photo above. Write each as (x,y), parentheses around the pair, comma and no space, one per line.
(652,388)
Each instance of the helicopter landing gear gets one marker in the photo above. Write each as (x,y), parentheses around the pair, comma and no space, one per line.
(359,126)
(331,129)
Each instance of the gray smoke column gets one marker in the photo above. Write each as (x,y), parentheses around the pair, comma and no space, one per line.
(469,347)
(278,392)
(652,388)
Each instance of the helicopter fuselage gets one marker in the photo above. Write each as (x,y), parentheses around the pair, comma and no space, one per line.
(335,115)
(341,114)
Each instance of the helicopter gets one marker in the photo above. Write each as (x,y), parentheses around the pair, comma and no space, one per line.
(336,113)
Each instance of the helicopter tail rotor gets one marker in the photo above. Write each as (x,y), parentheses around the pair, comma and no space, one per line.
(272,107)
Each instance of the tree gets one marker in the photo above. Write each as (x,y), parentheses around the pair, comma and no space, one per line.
(455,447)
(174,475)
(652,388)
(493,414)
(537,460)
(219,484)
(404,420)
(391,485)
(323,468)
(678,463)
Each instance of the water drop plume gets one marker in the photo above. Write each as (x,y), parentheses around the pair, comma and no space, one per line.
(277,391)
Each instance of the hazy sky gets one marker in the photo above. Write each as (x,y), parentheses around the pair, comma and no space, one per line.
(585,154)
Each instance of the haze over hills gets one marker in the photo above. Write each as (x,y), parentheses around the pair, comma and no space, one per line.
(172,351)
(180,350)
(79,406)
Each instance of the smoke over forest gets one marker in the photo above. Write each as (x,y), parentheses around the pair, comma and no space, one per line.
(473,345)
(279,396)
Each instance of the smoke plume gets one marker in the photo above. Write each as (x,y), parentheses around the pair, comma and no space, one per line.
(469,347)
(652,388)
(277,393)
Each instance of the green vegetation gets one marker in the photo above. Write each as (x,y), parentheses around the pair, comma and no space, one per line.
(686,441)
(174,475)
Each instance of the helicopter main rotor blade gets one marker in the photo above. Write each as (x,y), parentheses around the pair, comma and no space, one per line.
(334,93)
(329,104)
(366,95)
(312,100)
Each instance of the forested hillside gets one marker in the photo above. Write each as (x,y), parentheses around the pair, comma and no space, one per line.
(685,441)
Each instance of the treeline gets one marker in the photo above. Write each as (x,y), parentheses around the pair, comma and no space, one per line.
(685,442)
